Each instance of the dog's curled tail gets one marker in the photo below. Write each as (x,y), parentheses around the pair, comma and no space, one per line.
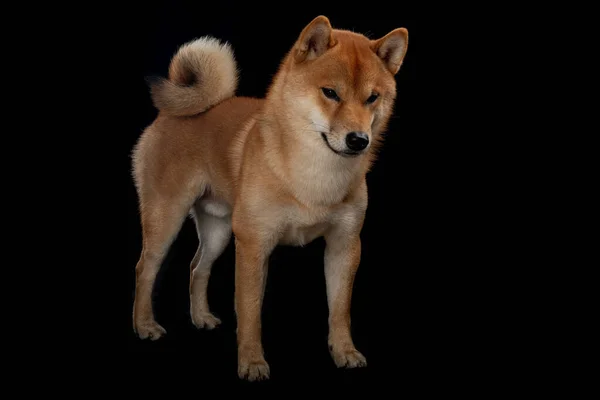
(202,73)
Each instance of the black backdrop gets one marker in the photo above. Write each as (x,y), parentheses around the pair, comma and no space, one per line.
(388,320)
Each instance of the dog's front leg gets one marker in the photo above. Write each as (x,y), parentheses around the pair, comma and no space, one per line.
(252,254)
(342,257)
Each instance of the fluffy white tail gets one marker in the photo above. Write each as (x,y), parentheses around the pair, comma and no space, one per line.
(202,73)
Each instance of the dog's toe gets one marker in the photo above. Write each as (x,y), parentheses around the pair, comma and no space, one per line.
(348,358)
(149,330)
(205,321)
(253,369)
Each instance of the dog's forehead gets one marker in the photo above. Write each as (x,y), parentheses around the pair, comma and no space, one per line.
(354,60)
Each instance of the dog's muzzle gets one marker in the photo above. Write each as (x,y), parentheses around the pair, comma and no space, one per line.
(356,142)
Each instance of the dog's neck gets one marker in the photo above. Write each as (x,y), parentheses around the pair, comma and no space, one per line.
(313,174)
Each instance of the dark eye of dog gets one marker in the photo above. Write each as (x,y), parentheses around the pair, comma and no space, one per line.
(372,98)
(330,94)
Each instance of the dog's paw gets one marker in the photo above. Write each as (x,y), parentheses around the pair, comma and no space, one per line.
(205,320)
(254,369)
(149,330)
(348,357)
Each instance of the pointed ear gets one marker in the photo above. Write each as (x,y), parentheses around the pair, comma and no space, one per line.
(391,48)
(316,38)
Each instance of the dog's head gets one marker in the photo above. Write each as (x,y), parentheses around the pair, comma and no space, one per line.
(339,86)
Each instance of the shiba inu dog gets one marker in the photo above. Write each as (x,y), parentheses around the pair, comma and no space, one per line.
(285,169)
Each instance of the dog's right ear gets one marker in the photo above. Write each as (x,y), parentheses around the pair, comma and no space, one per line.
(316,38)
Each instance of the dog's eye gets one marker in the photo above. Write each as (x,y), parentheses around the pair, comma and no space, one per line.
(372,98)
(330,94)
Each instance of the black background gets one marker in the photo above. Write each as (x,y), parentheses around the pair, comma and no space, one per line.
(389,322)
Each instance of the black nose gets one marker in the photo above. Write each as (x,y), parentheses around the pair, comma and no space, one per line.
(357,141)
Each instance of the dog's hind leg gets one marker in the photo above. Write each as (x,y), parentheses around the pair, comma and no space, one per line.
(161,221)
(214,233)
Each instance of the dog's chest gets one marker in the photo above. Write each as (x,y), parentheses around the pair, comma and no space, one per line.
(300,235)
(304,227)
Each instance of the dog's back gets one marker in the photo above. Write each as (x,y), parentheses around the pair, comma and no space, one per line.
(189,149)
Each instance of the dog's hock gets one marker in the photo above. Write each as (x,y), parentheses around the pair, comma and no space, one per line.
(392,48)
(316,38)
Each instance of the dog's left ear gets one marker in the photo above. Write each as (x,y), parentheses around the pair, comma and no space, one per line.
(316,38)
(392,48)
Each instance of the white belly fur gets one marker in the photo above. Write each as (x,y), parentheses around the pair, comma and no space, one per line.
(215,207)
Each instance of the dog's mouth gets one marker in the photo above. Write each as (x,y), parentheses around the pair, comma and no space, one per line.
(345,153)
